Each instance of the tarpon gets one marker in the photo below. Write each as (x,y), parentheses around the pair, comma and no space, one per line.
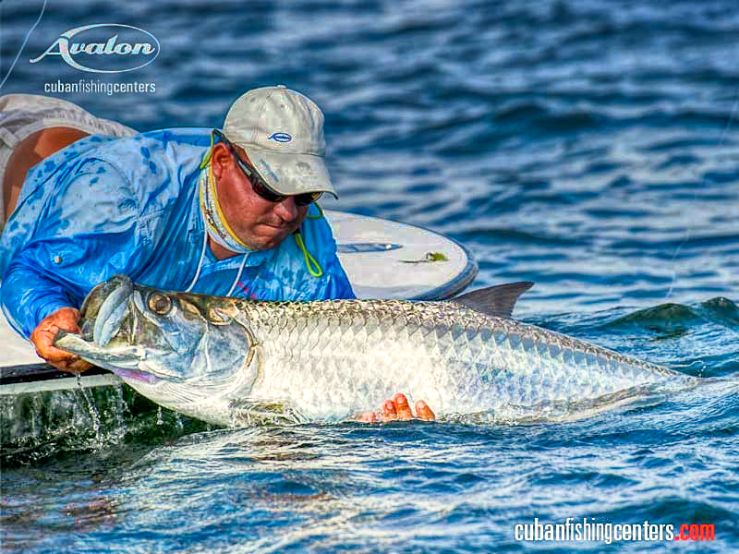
(230,361)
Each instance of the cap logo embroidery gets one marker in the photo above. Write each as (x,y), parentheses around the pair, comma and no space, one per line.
(280,137)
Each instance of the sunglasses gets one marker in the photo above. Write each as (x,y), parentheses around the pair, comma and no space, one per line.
(260,186)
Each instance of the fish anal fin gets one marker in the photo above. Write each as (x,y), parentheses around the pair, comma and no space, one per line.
(497,301)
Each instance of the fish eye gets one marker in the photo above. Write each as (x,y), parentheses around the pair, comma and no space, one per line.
(160,303)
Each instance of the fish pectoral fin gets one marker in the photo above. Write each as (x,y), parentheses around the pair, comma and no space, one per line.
(262,412)
(497,301)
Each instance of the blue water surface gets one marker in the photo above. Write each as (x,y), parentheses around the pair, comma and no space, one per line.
(590,146)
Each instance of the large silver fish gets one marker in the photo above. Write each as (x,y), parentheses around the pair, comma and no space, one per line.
(230,361)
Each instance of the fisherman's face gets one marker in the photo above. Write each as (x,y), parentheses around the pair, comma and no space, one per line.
(259,223)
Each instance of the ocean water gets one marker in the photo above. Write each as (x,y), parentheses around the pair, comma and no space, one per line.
(589,146)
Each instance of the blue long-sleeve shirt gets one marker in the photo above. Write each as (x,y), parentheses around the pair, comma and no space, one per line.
(104,206)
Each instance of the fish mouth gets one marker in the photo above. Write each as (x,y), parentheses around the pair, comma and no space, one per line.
(102,318)
(122,361)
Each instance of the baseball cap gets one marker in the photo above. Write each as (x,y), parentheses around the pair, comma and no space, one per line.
(281,131)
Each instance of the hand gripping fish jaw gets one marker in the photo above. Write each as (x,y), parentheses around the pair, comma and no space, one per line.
(178,349)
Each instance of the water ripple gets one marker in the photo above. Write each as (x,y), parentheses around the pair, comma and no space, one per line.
(588,146)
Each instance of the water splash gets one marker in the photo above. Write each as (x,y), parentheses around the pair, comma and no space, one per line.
(91,410)
(37,426)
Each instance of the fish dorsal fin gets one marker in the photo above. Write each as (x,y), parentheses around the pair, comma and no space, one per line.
(498,300)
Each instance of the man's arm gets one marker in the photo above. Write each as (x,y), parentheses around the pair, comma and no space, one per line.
(87,234)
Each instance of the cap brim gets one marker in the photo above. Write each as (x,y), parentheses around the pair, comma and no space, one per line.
(290,173)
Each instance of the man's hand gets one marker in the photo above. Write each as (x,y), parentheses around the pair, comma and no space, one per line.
(43,339)
(397,409)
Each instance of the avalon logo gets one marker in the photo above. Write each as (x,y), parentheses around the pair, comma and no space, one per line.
(104,48)
(280,137)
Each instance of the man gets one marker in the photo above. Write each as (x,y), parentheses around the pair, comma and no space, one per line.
(228,213)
